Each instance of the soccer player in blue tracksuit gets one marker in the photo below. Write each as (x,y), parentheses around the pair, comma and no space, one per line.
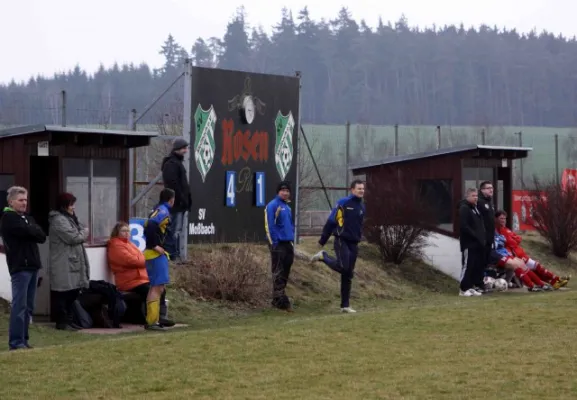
(280,233)
(345,223)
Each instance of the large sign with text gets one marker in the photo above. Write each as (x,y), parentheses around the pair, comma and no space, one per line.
(245,130)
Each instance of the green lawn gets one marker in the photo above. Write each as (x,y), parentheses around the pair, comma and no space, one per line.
(518,346)
(413,338)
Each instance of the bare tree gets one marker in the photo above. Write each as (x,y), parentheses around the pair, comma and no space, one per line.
(555,215)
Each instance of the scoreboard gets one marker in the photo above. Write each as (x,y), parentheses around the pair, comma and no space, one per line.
(244,142)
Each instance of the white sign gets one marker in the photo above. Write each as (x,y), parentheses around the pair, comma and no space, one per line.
(137,233)
(43,149)
(200,228)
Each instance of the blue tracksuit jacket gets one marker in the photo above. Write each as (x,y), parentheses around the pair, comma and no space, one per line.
(345,221)
(278,222)
(500,245)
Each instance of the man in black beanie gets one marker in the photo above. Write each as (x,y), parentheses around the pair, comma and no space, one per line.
(280,233)
(174,177)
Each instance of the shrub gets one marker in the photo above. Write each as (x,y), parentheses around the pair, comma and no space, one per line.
(555,216)
(226,272)
(397,221)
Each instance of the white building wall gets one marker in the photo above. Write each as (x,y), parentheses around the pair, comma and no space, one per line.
(444,254)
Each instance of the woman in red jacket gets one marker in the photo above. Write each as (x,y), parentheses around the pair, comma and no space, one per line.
(125,260)
(128,266)
(513,244)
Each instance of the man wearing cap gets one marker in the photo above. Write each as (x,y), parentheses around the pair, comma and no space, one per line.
(280,233)
(174,177)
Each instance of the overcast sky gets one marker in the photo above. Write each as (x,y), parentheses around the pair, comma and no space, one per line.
(46,36)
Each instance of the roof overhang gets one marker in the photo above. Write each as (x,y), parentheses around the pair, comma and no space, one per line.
(479,151)
(59,135)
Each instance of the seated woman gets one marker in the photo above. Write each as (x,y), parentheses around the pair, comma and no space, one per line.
(512,243)
(127,265)
(503,258)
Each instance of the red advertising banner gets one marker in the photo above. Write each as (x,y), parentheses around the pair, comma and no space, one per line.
(569,178)
(523,209)
(523,202)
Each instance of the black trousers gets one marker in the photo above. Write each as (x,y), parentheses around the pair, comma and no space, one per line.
(478,281)
(282,257)
(346,253)
(63,307)
(473,263)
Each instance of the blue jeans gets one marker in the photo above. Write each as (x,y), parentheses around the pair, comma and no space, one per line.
(172,241)
(23,295)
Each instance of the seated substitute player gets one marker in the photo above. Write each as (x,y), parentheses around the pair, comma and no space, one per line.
(156,257)
(513,244)
(505,259)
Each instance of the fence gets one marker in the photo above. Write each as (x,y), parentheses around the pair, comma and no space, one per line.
(333,146)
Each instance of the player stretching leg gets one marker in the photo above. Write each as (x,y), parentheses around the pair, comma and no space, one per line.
(345,223)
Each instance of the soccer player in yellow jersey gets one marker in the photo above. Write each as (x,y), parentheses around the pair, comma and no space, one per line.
(156,258)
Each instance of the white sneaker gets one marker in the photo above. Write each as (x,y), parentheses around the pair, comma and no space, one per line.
(469,293)
(317,257)
(348,310)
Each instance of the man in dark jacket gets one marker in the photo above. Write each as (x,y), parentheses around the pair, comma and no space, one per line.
(487,210)
(174,177)
(472,241)
(345,223)
(280,233)
(21,236)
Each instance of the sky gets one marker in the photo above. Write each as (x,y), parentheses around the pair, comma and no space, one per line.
(41,37)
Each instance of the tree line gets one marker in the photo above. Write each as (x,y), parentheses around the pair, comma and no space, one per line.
(393,73)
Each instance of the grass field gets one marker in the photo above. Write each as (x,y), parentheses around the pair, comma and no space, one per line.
(419,341)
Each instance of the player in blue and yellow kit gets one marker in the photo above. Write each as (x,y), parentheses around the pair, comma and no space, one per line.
(345,223)
(155,231)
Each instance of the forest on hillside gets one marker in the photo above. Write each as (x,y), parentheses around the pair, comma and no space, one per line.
(393,73)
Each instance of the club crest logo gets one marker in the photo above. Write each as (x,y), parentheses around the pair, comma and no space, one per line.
(204,146)
(283,147)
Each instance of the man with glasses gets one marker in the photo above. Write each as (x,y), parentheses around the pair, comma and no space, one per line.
(487,210)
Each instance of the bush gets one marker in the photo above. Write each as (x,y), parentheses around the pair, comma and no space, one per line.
(230,273)
(397,222)
(555,216)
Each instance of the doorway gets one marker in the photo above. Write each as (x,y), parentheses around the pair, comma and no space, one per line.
(43,191)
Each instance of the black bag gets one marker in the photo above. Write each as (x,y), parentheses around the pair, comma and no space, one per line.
(115,306)
(80,316)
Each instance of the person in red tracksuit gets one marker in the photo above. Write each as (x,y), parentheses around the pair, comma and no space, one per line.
(513,244)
